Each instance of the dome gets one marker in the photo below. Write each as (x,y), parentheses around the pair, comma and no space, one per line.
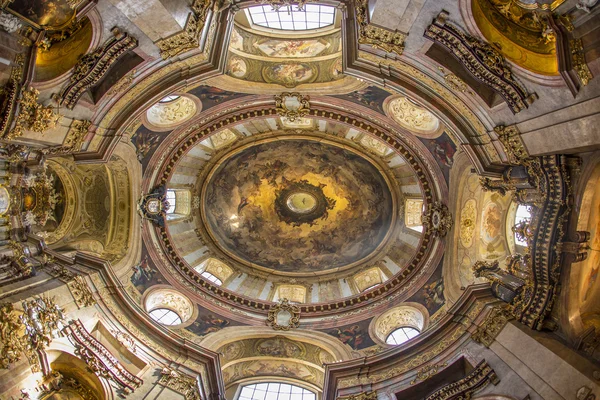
(297,205)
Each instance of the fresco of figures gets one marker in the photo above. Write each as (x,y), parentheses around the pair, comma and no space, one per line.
(240,197)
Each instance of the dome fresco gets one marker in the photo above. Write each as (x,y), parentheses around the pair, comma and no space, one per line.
(298,206)
(348,200)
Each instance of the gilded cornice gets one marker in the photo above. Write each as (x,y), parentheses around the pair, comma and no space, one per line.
(481,376)
(482,60)
(578,60)
(447,334)
(189,37)
(93,66)
(168,157)
(376,36)
(545,185)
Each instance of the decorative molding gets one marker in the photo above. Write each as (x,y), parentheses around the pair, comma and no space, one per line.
(93,66)
(41,318)
(292,105)
(376,36)
(123,84)
(482,60)
(455,82)
(99,360)
(125,339)
(514,147)
(11,344)
(289,318)
(9,94)
(427,372)
(277,4)
(578,60)
(545,185)
(372,395)
(479,378)
(492,325)
(81,292)
(75,136)
(32,116)
(54,382)
(189,37)
(437,219)
(181,383)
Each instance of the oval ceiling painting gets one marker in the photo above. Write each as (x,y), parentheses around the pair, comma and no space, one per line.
(297,206)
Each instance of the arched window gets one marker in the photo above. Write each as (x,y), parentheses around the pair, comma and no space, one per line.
(312,16)
(172,201)
(399,324)
(401,335)
(215,271)
(179,203)
(168,307)
(413,212)
(212,278)
(165,316)
(522,215)
(275,391)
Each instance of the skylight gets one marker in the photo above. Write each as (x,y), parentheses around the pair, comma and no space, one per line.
(311,17)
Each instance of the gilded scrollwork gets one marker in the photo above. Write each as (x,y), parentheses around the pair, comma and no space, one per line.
(481,376)
(93,66)
(189,37)
(292,105)
(370,395)
(376,36)
(493,324)
(455,83)
(437,219)
(75,136)
(12,345)
(283,316)
(29,332)
(482,60)
(515,149)
(81,292)
(578,60)
(180,383)
(33,116)
(427,372)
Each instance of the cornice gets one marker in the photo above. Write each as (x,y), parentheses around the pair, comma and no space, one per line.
(115,301)
(437,343)
(365,63)
(168,154)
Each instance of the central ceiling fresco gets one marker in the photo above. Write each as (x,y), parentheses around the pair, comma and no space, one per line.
(298,205)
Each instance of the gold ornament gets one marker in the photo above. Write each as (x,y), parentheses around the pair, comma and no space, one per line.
(283,316)
(292,106)
(32,115)
(437,219)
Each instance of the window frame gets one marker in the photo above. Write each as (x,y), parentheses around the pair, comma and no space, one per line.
(301,392)
(168,311)
(308,8)
(402,329)
(211,278)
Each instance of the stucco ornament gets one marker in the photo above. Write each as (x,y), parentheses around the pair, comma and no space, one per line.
(438,219)
(413,117)
(171,113)
(292,105)
(284,316)
(9,22)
